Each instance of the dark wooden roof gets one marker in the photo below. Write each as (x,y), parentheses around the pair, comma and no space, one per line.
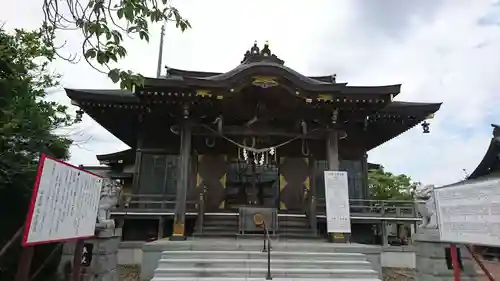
(120,157)
(100,95)
(234,77)
(491,160)
(172,72)
(219,93)
(395,119)
(121,119)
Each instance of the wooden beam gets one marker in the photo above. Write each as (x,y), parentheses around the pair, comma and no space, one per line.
(257,132)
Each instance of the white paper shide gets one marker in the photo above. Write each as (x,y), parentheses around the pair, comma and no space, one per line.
(66,204)
(338,216)
(469,212)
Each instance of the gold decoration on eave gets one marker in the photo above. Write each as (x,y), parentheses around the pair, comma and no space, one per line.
(430,116)
(324,97)
(264,81)
(203,93)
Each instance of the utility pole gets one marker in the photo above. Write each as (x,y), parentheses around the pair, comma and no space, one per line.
(160,52)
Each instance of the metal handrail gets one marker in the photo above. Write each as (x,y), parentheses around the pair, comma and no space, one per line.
(260,221)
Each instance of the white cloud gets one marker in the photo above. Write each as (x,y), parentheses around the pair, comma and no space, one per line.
(438,52)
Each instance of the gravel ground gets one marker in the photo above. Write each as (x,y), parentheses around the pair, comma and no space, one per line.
(398,274)
(131,273)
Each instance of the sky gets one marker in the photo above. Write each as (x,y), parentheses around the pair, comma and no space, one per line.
(439,50)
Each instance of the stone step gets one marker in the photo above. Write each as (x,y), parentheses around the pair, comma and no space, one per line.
(305,235)
(254,279)
(294,229)
(280,255)
(293,221)
(219,227)
(220,223)
(262,263)
(219,233)
(261,272)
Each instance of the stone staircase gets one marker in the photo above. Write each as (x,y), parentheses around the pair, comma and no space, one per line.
(218,226)
(252,265)
(227,226)
(295,227)
(230,259)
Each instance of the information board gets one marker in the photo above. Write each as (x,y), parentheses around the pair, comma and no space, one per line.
(469,212)
(338,216)
(63,205)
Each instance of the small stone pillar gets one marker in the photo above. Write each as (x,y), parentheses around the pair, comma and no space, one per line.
(431,259)
(104,257)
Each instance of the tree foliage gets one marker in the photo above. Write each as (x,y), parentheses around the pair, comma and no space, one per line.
(27,124)
(104,23)
(387,186)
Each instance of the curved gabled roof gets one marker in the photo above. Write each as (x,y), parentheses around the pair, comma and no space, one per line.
(258,62)
(329,79)
(491,160)
(235,76)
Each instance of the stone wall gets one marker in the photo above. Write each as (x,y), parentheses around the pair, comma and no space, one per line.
(104,257)
(431,262)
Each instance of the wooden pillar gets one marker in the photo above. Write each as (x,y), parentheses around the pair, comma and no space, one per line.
(385,235)
(312,196)
(183,179)
(138,157)
(332,155)
(332,150)
(364,170)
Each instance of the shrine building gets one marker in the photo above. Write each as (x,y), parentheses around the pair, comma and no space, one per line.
(205,145)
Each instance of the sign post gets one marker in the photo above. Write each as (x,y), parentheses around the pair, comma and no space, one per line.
(23,269)
(338,217)
(454,262)
(468,213)
(63,207)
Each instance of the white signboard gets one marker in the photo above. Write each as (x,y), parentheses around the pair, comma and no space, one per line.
(469,213)
(338,217)
(63,205)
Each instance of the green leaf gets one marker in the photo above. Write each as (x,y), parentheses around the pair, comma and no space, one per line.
(90,53)
(102,58)
(144,35)
(114,75)
(119,13)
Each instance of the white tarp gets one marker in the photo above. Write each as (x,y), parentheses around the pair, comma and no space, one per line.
(469,212)
(64,203)
(338,217)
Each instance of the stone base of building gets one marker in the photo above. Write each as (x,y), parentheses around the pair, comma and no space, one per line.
(103,266)
(431,262)
(151,252)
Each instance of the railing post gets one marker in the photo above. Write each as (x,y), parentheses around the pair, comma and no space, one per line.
(312,216)
(201,209)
